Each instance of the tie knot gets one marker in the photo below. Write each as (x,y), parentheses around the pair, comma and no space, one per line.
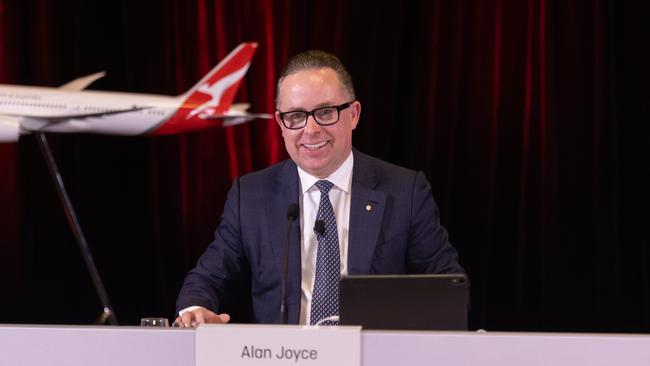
(324,186)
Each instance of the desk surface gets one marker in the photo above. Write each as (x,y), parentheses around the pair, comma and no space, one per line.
(124,346)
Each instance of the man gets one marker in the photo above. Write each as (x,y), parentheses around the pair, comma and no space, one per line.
(357,214)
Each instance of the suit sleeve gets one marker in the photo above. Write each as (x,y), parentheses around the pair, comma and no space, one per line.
(222,269)
(429,249)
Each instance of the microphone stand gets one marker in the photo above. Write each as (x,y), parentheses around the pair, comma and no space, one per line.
(292,214)
(108,314)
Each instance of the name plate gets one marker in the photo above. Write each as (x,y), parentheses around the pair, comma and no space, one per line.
(239,344)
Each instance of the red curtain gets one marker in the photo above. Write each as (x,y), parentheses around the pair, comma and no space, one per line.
(524,115)
(9,217)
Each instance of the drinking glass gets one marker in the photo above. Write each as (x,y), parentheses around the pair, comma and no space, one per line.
(154,322)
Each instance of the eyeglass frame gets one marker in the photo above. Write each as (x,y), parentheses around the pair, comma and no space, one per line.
(311,113)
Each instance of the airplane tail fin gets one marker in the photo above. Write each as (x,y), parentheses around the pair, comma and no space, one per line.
(213,94)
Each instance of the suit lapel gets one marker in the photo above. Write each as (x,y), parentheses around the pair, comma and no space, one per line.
(284,192)
(366,213)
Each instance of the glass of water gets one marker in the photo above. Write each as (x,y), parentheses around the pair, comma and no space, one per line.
(154,322)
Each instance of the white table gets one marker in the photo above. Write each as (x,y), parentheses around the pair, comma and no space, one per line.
(125,346)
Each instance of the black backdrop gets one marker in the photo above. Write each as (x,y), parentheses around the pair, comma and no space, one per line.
(528,117)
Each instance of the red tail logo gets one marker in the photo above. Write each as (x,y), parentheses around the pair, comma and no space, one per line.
(213,95)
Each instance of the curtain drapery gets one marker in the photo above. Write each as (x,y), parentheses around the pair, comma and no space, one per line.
(528,118)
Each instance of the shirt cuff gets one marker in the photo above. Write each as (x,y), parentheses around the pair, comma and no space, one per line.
(189,308)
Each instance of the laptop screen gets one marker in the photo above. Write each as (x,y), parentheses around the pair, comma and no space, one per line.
(406,302)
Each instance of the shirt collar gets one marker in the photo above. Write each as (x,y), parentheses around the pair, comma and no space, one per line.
(341,177)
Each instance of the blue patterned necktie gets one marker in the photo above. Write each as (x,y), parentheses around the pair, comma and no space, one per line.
(325,298)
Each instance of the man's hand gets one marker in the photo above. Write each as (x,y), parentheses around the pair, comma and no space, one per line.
(200,315)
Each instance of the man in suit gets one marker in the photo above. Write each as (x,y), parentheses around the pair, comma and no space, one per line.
(356,214)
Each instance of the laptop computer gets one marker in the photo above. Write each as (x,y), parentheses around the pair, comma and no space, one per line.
(405,302)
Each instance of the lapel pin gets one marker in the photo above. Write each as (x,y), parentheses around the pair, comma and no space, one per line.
(368,207)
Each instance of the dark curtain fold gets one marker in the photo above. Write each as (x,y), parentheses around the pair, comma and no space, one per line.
(528,117)
(9,206)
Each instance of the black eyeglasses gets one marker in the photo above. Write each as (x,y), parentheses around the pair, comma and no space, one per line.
(324,116)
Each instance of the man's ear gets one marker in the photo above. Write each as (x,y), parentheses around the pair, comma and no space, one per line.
(355,109)
(277,118)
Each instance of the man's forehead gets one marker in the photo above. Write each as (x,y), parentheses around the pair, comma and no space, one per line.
(310,86)
(314,76)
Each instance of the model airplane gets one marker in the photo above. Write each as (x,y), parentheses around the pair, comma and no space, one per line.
(71,109)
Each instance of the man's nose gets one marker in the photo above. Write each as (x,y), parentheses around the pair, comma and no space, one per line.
(311,126)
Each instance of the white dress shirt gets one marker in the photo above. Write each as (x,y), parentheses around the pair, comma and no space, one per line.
(309,200)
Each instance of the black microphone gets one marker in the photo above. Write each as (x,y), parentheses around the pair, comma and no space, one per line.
(292,214)
(319,227)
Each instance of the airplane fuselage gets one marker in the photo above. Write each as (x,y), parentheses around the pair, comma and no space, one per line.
(38,108)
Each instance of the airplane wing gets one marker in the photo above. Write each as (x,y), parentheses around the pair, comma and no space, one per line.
(62,116)
(82,83)
(39,122)
(236,120)
(237,114)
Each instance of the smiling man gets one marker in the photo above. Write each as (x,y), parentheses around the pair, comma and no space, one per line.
(318,145)
(356,214)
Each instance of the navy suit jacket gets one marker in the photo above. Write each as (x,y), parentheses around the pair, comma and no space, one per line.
(241,270)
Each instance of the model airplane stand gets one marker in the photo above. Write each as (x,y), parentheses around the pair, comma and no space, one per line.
(107,315)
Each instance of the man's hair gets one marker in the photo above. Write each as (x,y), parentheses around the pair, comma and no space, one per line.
(316,59)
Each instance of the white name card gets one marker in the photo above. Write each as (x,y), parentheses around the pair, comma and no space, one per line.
(238,344)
